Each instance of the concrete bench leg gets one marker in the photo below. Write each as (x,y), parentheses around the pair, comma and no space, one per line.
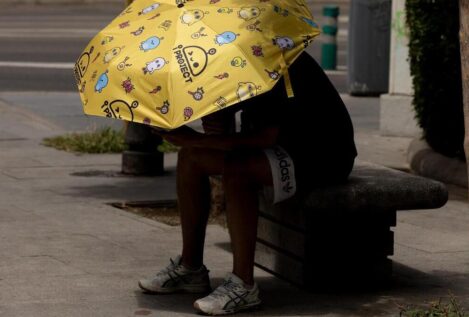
(331,249)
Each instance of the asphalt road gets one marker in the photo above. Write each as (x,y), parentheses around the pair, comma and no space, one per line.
(39,44)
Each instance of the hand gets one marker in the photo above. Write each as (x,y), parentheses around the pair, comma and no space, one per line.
(183,136)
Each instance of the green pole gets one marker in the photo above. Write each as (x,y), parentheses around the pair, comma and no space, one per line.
(329,37)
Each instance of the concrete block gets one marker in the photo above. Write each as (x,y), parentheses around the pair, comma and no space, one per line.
(397,116)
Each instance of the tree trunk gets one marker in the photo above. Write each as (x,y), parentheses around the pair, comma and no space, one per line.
(464,40)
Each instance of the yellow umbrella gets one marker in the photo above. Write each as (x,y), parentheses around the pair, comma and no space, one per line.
(166,63)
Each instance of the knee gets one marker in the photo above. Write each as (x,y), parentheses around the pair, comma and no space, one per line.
(235,168)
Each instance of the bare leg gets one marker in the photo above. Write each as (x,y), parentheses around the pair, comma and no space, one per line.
(244,174)
(193,188)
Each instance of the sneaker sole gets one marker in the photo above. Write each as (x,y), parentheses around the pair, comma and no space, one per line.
(191,289)
(251,306)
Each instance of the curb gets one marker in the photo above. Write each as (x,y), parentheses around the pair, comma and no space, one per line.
(424,161)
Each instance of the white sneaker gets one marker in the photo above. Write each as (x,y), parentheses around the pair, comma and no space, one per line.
(177,278)
(228,298)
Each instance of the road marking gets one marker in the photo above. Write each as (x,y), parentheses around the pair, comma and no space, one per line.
(337,72)
(37,65)
(47,33)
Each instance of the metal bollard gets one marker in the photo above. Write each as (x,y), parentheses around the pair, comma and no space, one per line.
(329,37)
(142,156)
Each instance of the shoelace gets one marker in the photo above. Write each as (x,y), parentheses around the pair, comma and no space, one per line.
(170,268)
(227,287)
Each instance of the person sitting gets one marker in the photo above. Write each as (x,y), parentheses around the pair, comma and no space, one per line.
(291,144)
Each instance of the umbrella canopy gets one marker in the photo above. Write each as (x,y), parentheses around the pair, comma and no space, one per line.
(169,62)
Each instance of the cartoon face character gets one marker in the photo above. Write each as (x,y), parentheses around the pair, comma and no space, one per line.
(249,13)
(150,43)
(192,16)
(198,94)
(164,109)
(247,90)
(156,64)
(225,37)
(119,109)
(102,82)
(82,65)
(238,62)
(106,40)
(109,55)
(149,9)
(284,42)
(281,11)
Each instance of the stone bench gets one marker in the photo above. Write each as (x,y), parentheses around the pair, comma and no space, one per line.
(341,234)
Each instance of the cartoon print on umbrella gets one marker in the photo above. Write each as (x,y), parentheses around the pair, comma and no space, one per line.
(156,90)
(119,109)
(192,60)
(222,76)
(127,85)
(281,11)
(225,38)
(102,82)
(149,9)
(198,34)
(156,64)
(122,65)
(238,62)
(198,94)
(247,90)
(83,87)
(188,112)
(283,42)
(107,40)
(221,102)
(164,109)
(273,74)
(165,25)
(126,11)
(257,50)
(138,31)
(124,25)
(96,58)
(190,17)
(254,26)
(225,10)
(310,22)
(154,17)
(150,43)
(249,13)
(81,66)
(111,54)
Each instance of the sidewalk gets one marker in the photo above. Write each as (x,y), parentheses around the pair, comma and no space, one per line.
(67,252)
